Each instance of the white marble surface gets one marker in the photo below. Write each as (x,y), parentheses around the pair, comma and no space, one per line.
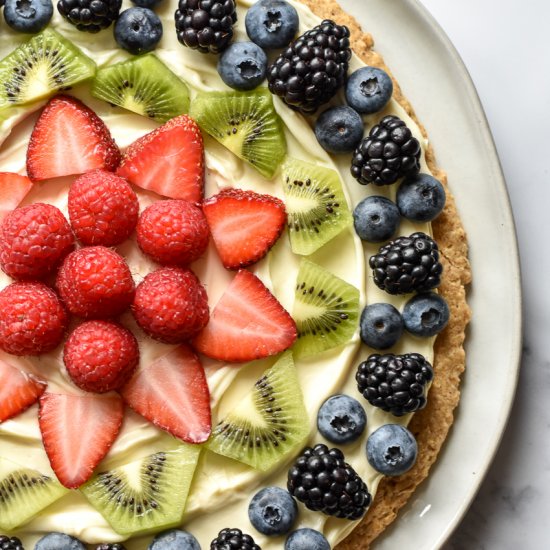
(505,45)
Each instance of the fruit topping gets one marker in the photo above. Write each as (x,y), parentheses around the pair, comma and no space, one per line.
(171,305)
(34,240)
(325,482)
(138,30)
(306,539)
(103,208)
(151,4)
(389,152)
(341,419)
(244,225)
(59,541)
(69,138)
(172,393)
(368,90)
(95,282)
(313,68)
(205,25)
(420,198)
(246,123)
(110,546)
(144,85)
(145,495)
(32,319)
(173,232)
(426,314)
(174,539)
(271,24)
(376,219)
(272,511)
(316,206)
(24,493)
(13,189)
(407,264)
(247,323)
(326,310)
(18,391)
(233,538)
(243,65)
(30,16)
(169,160)
(10,543)
(77,432)
(40,67)
(339,129)
(395,383)
(268,423)
(392,450)
(381,326)
(89,15)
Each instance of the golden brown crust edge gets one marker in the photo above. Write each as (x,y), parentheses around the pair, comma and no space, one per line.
(431,425)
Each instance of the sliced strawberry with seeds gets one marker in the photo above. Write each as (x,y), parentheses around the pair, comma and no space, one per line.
(172,393)
(244,225)
(18,390)
(247,323)
(13,189)
(168,160)
(77,432)
(69,138)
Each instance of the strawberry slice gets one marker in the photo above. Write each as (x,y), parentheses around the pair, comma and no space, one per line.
(13,189)
(244,225)
(168,160)
(172,393)
(69,138)
(18,391)
(77,432)
(247,323)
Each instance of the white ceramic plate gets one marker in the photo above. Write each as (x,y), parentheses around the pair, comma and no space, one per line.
(436,82)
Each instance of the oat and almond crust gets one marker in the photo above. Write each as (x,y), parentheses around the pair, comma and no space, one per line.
(431,425)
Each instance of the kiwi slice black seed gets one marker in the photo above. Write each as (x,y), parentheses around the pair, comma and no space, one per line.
(145,495)
(144,85)
(270,421)
(315,203)
(46,64)
(246,123)
(326,310)
(24,493)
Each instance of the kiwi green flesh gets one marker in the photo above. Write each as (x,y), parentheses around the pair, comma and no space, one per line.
(246,123)
(315,203)
(326,310)
(269,423)
(44,65)
(24,493)
(145,495)
(143,85)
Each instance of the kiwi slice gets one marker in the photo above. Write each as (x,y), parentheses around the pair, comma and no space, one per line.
(24,493)
(47,63)
(246,123)
(270,421)
(144,85)
(145,495)
(315,203)
(326,310)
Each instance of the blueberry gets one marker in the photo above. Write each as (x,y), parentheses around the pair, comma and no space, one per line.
(58,541)
(271,23)
(339,129)
(306,539)
(243,65)
(341,419)
(420,198)
(147,3)
(29,16)
(272,511)
(391,450)
(368,90)
(426,314)
(138,30)
(174,539)
(376,219)
(381,326)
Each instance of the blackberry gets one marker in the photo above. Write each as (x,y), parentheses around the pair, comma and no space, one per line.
(110,546)
(311,70)
(10,543)
(388,153)
(407,264)
(89,15)
(233,539)
(394,383)
(205,25)
(325,482)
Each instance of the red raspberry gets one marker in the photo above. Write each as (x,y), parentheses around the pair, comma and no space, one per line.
(173,232)
(32,319)
(34,240)
(171,305)
(100,356)
(95,282)
(103,208)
